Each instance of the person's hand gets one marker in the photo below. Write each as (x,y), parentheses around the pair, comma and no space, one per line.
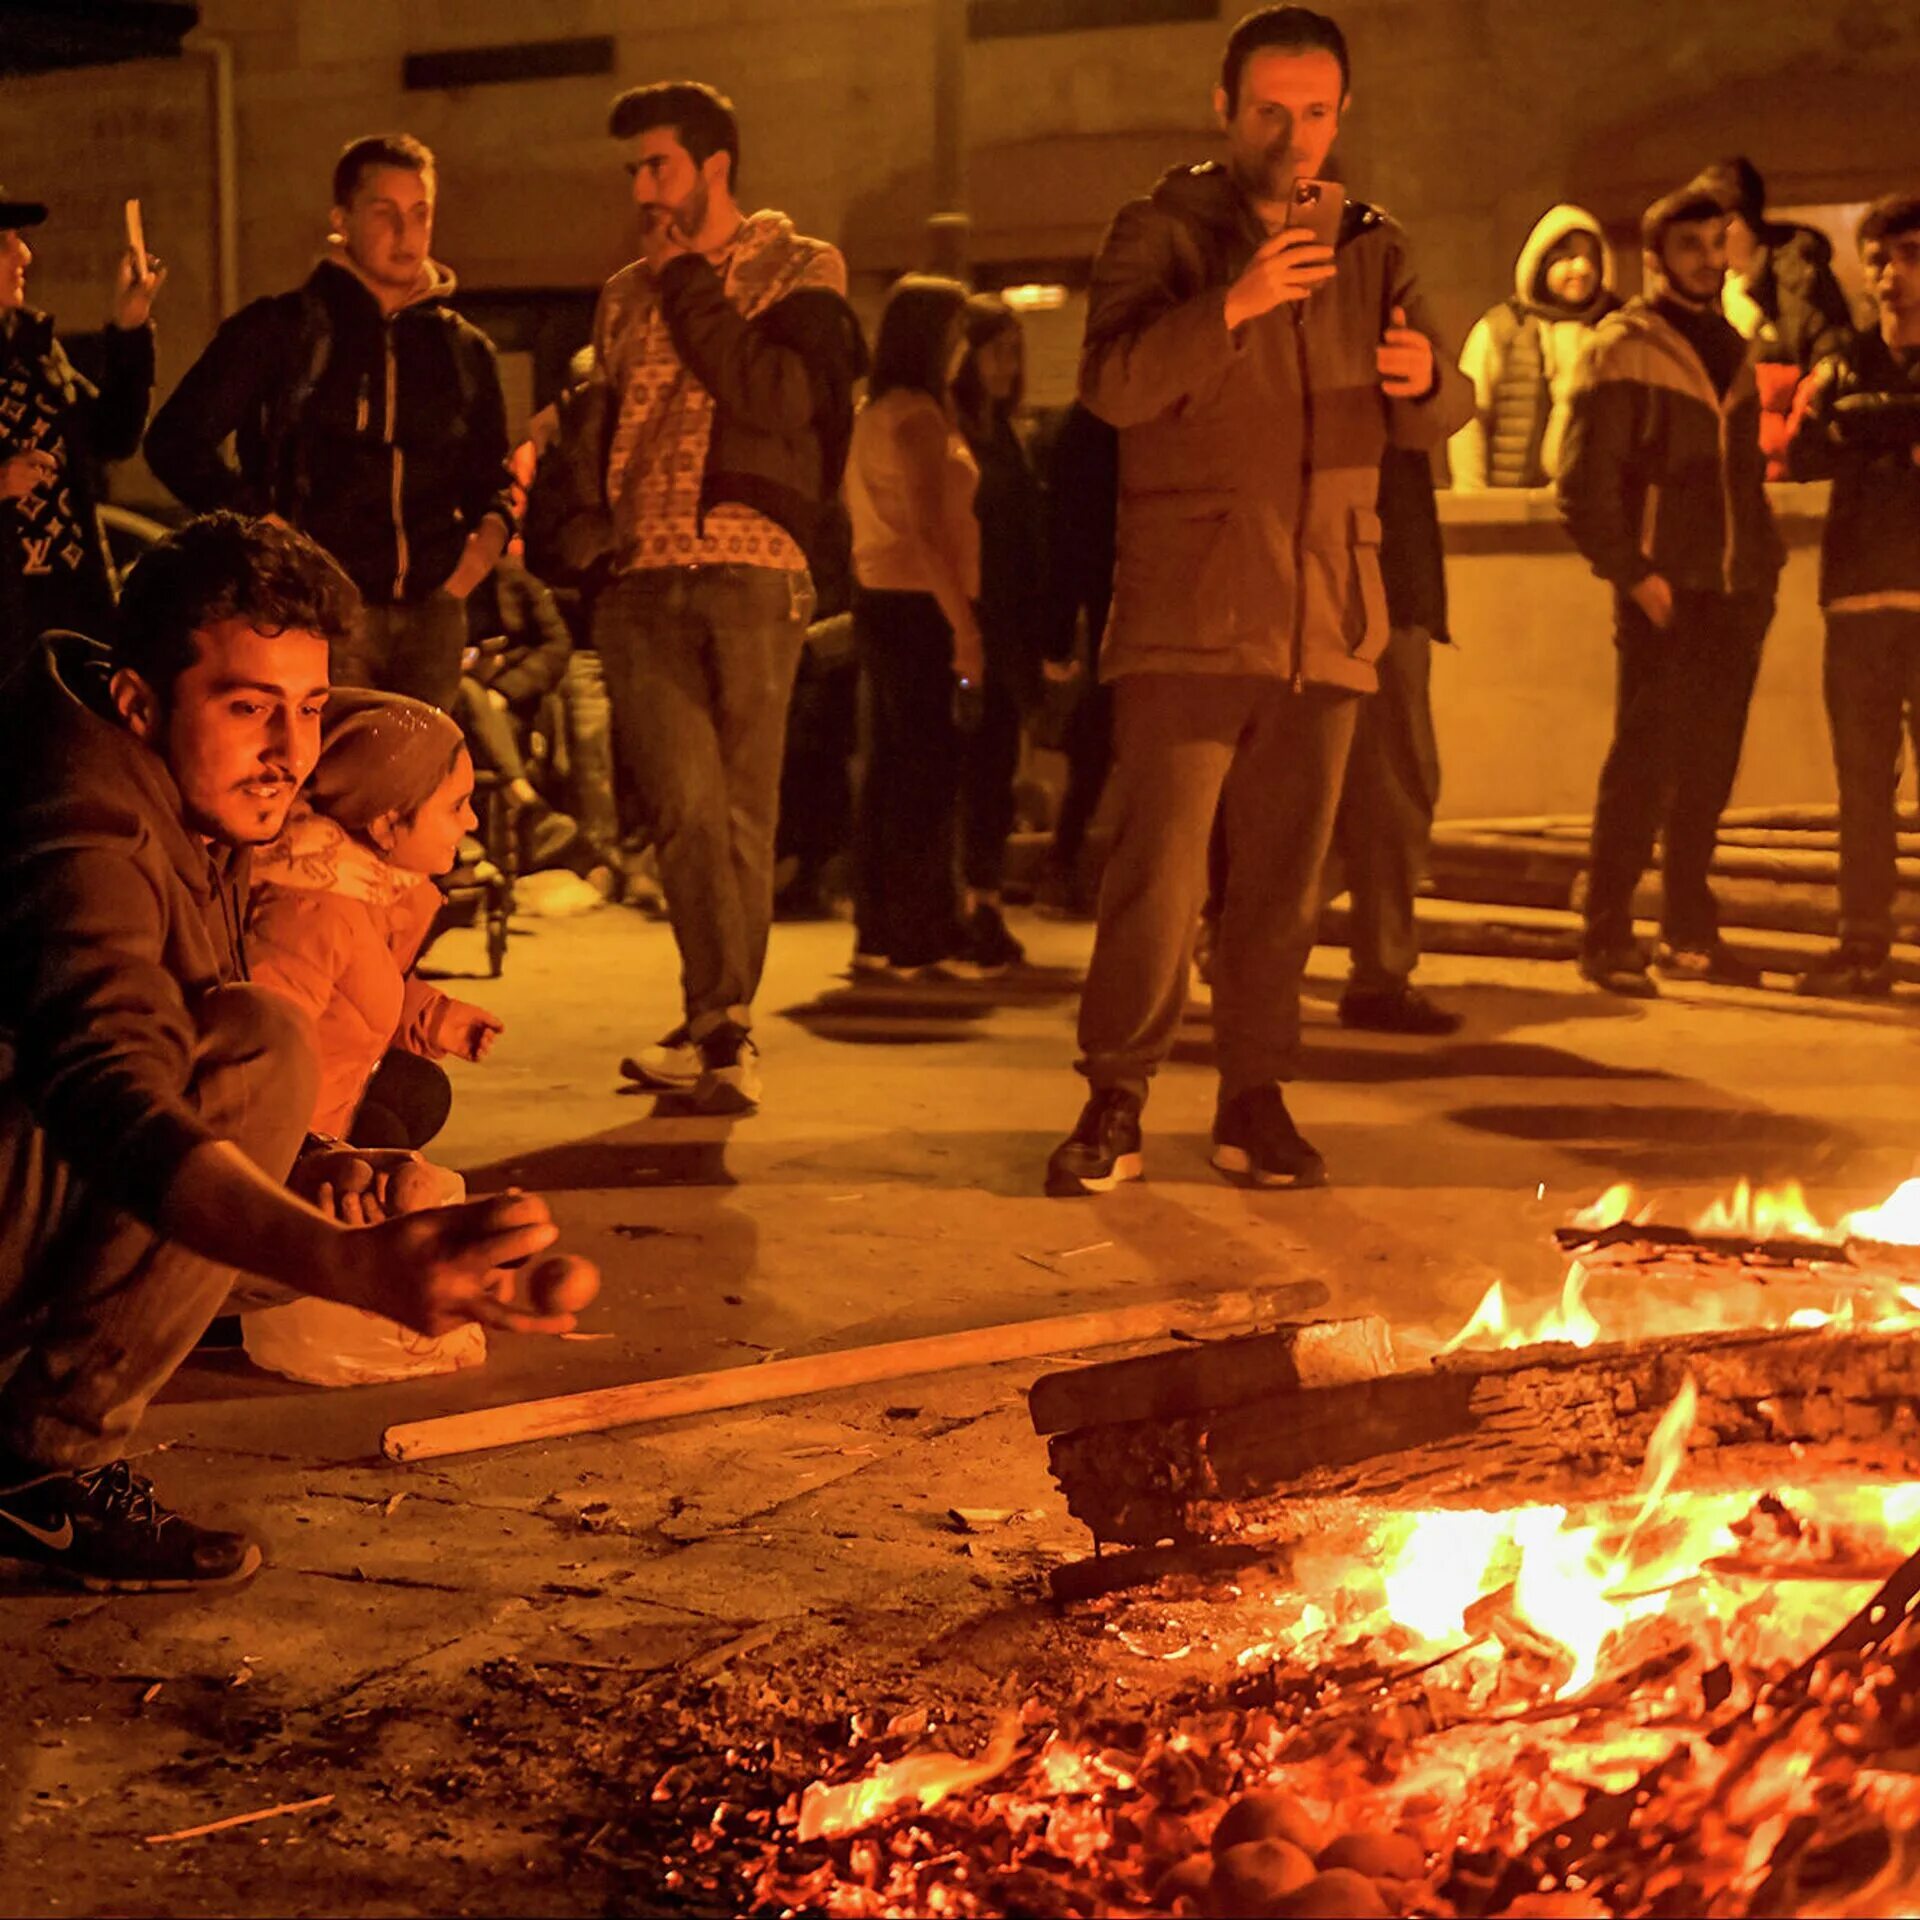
(133,291)
(660,238)
(22,473)
(496,700)
(1288,267)
(436,1270)
(969,655)
(1405,360)
(469,1031)
(1654,598)
(343,1183)
(1061,673)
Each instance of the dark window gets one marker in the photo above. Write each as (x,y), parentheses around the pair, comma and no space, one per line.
(496,66)
(1003,19)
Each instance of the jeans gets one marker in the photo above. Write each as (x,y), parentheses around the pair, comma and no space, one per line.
(1680,715)
(905,900)
(700,664)
(1270,763)
(411,647)
(1872,675)
(989,760)
(101,1307)
(1385,822)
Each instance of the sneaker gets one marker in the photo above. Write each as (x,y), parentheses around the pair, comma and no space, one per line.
(1256,1143)
(988,949)
(729,1078)
(1103,1149)
(105,1531)
(1848,973)
(1621,970)
(670,1065)
(1717,965)
(1398,1009)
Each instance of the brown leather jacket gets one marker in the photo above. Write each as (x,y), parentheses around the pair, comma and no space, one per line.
(1249,531)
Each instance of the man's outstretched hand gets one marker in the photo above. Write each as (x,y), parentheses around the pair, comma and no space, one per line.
(434,1271)
(1405,360)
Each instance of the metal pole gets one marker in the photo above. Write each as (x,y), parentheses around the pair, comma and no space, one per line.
(947,231)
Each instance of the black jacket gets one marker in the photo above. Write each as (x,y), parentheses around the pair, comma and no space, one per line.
(1413,561)
(384,437)
(1859,425)
(1012,516)
(782,385)
(1661,472)
(1083,503)
(525,643)
(52,537)
(1793,285)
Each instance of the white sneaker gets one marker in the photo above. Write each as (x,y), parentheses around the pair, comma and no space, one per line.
(729,1080)
(671,1065)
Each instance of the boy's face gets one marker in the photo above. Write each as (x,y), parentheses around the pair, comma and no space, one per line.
(239,730)
(388,228)
(1893,274)
(1283,125)
(1694,258)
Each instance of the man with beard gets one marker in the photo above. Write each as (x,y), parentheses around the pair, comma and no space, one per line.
(367,413)
(728,354)
(151,1098)
(1663,488)
(1256,375)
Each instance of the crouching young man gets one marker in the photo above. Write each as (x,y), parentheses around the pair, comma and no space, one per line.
(152,1100)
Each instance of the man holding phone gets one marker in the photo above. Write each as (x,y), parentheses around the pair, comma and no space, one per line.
(1259,341)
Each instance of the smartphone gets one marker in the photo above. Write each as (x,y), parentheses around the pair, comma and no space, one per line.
(1317,206)
(137,239)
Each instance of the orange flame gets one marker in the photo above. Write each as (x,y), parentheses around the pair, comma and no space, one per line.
(1764,1213)
(923,1779)
(1895,1221)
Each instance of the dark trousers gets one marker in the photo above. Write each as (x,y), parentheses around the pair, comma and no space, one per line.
(700,664)
(1872,676)
(989,759)
(1088,743)
(493,733)
(406,1103)
(1271,763)
(905,903)
(1680,714)
(1385,822)
(816,786)
(100,1307)
(413,647)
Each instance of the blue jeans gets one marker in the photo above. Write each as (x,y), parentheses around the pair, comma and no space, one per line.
(700,664)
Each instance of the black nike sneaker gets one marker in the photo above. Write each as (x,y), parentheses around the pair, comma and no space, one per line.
(1103,1150)
(104,1530)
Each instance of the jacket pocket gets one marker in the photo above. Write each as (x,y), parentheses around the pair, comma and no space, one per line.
(1364,620)
(1175,577)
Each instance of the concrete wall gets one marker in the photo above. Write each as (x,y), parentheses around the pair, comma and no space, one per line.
(1523,701)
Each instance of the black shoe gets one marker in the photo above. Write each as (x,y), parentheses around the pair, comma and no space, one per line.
(1103,1149)
(1400,1009)
(729,1074)
(105,1531)
(1717,965)
(1621,970)
(987,948)
(1256,1143)
(1848,973)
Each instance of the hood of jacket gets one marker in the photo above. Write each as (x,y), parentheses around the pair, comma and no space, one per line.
(435,283)
(317,855)
(1555,225)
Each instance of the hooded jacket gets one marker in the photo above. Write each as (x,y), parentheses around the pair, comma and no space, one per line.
(1249,536)
(1662,474)
(1522,356)
(52,535)
(1857,423)
(115,917)
(335,930)
(384,436)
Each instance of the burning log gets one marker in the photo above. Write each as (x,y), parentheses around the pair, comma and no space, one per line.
(1783,1250)
(1540,1425)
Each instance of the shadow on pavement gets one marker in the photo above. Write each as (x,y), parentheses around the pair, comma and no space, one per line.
(882,1013)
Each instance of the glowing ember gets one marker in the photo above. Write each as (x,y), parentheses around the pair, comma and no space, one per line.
(921,1780)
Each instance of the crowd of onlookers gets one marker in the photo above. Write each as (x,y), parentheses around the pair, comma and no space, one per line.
(747,552)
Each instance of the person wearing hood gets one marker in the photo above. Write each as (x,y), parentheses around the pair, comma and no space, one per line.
(1663,490)
(153,1099)
(56,429)
(368,413)
(1522,355)
(1780,295)
(1256,375)
(727,356)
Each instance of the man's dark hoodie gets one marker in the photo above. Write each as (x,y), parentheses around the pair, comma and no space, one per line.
(384,436)
(115,917)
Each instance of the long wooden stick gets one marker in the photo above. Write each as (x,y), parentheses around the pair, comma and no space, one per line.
(643,1400)
(240,1820)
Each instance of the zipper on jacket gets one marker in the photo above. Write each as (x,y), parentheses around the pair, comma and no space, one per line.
(1726,500)
(1299,680)
(399,468)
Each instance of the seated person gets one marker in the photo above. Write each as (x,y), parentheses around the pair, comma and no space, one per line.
(152,1099)
(341,905)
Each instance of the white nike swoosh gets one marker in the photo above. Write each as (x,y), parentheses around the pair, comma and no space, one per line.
(54,1542)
